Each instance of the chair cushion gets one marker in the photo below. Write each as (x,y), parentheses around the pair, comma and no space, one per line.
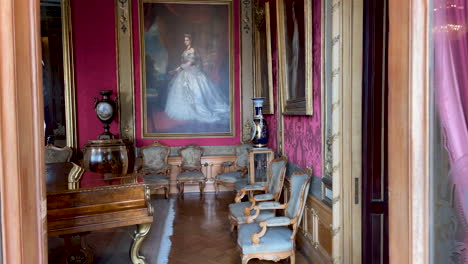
(230,177)
(264,197)
(155,179)
(276,239)
(191,175)
(237,211)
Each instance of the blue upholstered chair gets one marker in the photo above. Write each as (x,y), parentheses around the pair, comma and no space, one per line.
(190,168)
(230,177)
(155,170)
(239,212)
(273,239)
(55,154)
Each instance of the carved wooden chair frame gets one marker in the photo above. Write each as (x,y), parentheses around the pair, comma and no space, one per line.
(66,148)
(227,167)
(165,171)
(277,256)
(264,189)
(181,183)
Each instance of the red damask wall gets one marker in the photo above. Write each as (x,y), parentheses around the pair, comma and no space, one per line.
(93,25)
(302,134)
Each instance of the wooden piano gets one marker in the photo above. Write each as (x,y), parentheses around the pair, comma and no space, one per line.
(79,202)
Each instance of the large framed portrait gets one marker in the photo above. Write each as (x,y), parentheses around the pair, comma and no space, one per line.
(263,69)
(295,56)
(187,68)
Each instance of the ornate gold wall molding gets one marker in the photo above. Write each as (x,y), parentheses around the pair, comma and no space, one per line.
(125,75)
(342,122)
(247,78)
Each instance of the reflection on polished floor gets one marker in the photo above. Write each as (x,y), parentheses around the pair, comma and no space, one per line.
(198,232)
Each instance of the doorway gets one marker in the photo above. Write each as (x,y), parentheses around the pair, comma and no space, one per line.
(374,135)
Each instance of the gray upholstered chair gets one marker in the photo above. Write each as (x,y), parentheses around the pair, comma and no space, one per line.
(55,154)
(239,212)
(273,239)
(190,168)
(155,170)
(228,177)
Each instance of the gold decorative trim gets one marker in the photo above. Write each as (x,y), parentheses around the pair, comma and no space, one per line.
(126,95)
(74,177)
(69,76)
(295,106)
(246,16)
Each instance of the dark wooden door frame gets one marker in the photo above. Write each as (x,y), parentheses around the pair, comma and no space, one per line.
(374,138)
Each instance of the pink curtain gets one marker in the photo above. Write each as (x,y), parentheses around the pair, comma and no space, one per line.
(450,41)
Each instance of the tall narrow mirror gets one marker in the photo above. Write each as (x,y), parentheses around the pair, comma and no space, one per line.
(58,74)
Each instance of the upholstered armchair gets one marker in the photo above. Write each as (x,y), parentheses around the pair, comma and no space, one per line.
(272,238)
(155,170)
(230,177)
(239,212)
(190,168)
(55,154)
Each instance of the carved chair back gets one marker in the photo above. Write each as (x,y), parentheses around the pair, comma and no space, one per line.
(276,171)
(55,154)
(300,183)
(155,157)
(242,154)
(191,158)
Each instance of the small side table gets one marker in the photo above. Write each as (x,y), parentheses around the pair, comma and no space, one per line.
(259,161)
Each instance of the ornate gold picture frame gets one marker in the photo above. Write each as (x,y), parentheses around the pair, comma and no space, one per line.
(187,61)
(58,73)
(295,56)
(263,70)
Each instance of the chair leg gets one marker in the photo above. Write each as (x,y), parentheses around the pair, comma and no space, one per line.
(292,258)
(202,188)
(166,192)
(216,186)
(180,186)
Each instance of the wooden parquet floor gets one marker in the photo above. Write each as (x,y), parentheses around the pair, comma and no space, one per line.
(201,232)
(200,235)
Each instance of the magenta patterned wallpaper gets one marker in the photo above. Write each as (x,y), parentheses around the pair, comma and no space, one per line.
(302,134)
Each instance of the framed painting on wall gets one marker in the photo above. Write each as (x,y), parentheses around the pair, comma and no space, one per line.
(263,70)
(295,56)
(187,65)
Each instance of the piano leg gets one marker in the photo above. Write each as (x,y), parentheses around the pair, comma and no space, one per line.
(140,235)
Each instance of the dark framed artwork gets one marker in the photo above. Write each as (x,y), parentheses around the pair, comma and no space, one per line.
(187,68)
(263,70)
(295,56)
(58,78)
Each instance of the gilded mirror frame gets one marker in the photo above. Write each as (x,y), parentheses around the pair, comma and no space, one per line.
(295,105)
(262,29)
(68,75)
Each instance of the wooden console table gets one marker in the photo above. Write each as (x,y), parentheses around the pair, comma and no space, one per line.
(89,202)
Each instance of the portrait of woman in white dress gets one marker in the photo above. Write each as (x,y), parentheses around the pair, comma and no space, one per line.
(188,69)
(192,96)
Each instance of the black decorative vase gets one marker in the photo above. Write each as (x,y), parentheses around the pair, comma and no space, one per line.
(259,126)
(105,110)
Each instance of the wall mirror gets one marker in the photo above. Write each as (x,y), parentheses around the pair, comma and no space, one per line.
(58,73)
(263,68)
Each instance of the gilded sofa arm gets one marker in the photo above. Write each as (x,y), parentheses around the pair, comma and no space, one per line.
(274,221)
(256,236)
